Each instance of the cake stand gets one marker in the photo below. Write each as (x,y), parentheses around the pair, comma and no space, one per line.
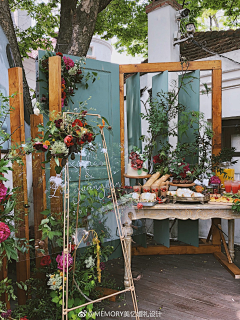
(137,177)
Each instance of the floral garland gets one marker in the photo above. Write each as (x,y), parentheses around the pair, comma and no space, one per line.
(71,74)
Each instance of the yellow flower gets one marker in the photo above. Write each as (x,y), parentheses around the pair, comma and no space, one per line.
(47,143)
(65,278)
(60,288)
(53,140)
(61,273)
(103,124)
(52,276)
(54,282)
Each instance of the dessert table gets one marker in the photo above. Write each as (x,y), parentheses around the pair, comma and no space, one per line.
(184,211)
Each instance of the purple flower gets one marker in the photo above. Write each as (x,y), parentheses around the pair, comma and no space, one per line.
(59,260)
(3,192)
(102,266)
(4,232)
(6,315)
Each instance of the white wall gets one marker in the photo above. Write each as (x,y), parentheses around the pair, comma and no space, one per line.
(101,49)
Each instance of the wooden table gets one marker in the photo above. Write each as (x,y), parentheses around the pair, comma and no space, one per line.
(181,211)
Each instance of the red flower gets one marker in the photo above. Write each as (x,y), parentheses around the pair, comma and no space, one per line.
(79,142)
(72,247)
(24,318)
(90,137)
(79,71)
(77,122)
(59,54)
(64,95)
(157,159)
(58,123)
(45,261)
(68,140)
(139,205)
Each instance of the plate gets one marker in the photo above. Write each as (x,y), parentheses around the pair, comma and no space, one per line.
(146,204)
(182,185)
(204,199)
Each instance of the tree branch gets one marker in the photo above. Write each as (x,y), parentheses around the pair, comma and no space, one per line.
(103,4)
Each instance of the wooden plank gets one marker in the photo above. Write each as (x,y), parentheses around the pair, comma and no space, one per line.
(55,106)
(170,66)
(225,245)
(38,183)
(230,267)
(121,88)
(105,292)
(216,237)
(217,111)
(184,249)
(19,175)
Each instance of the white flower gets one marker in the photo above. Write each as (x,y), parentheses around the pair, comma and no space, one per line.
(89,262)
(36,111)
(188,172)
(179,164)
(73,71)
(55,281)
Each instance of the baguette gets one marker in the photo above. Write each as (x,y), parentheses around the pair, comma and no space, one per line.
(160,181)
(151,180)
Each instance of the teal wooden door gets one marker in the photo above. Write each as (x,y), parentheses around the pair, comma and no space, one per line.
(102,98)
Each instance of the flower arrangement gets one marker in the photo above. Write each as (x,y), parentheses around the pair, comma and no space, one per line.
(66,137)
(137,160)
(72,74)
(3,192)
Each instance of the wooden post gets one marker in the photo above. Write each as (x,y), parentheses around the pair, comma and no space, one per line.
(55,106)
(121,85)
(39,184)
(216,237)
(217,111)
(19,175)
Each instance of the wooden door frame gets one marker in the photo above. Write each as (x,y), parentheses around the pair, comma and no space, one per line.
(213,65)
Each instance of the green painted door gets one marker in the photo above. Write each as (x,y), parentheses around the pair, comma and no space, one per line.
(102,98)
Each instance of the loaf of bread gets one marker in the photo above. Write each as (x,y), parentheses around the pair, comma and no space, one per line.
(162,181)
(151,180)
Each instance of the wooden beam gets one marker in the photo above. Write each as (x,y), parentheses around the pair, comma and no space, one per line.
(170,66)
(216,237)
(55,106)
(175,249)
(121,86)
(230,267)
(39,183)
(19,175)
(217,111)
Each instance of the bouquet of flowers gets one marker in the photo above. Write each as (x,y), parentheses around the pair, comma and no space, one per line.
(137,159)
(72,73)
(64,137)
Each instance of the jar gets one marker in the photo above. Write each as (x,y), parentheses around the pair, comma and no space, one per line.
(216,188)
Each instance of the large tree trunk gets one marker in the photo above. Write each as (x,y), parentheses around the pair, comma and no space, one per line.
(77,24)
(8,28)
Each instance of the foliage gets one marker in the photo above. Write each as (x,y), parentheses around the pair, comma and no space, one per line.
(191,157)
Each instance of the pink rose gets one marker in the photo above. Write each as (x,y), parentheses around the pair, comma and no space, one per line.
(68,63)
(3,192)
(4,232)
